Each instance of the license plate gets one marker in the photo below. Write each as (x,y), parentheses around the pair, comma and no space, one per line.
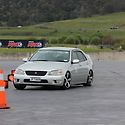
(35,79)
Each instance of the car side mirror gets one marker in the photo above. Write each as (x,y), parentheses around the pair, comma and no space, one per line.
(75,61)
(25,59)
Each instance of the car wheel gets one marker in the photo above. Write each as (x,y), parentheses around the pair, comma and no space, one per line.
(67,79)
(19,86)
(89,79)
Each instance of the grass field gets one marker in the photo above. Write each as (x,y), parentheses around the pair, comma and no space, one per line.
(112,25)
(82,26)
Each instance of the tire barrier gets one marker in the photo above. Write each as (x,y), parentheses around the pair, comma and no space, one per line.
(11,76)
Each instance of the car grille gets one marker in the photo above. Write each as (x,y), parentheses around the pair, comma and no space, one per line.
(42,81)
(36,73)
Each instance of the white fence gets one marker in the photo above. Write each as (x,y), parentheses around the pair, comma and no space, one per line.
(118,56)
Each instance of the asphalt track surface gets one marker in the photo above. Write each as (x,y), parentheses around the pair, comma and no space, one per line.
(101,104)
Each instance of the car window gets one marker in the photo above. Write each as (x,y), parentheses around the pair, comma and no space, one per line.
(74,55)
(81,56)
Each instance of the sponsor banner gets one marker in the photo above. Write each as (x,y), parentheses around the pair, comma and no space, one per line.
(22,43)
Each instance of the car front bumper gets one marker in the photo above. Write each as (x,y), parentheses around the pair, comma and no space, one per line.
(43,80)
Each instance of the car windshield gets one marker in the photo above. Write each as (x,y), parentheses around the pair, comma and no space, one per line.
(51,55)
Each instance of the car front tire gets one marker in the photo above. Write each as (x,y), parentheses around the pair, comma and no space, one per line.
(19,86)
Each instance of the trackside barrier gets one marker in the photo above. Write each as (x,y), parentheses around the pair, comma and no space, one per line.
(3,103)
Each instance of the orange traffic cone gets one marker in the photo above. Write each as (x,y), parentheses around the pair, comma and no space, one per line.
(3,104)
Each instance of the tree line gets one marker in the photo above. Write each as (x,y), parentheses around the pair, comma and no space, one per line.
(28,12)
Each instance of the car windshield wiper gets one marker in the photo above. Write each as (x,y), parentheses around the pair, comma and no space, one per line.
(40,60)
(61,60)
(51,60)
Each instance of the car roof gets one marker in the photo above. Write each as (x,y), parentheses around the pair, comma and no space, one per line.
(59,48)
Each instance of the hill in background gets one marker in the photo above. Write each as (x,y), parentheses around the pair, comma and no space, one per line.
(106,30)
(29,12)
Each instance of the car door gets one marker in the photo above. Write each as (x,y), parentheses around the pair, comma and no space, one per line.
(74,68)
(83,67)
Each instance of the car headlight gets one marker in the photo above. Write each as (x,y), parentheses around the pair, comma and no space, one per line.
(56,72)
(19,71)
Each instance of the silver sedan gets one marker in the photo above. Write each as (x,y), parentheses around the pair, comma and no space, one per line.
(55,66)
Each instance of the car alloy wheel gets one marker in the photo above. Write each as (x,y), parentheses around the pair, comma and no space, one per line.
(67,79)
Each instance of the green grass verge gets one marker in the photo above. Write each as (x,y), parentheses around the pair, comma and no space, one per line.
(88,49)
(11,51)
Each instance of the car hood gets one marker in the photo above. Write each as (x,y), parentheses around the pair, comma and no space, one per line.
(43,66)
